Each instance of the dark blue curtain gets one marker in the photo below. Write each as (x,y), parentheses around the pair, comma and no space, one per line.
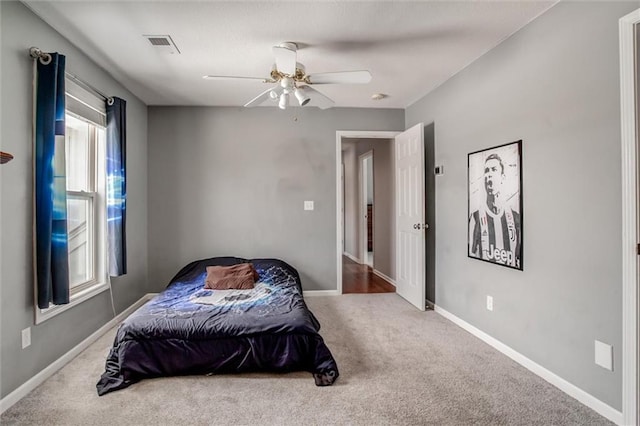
(51,257)
(116,185)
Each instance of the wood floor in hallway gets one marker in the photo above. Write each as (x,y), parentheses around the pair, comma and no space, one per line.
(357,278)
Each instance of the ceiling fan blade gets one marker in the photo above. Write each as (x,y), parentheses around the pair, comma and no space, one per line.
(285,59)
(263,96)
(343,77)
(318,99)
(233,77)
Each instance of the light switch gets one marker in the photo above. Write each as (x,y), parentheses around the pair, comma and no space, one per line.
(26,337)
(308,205)
(604,355)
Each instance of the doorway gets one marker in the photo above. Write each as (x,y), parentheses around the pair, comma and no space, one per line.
(405,227)
(366,261)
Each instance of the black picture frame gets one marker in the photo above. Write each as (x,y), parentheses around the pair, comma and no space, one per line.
(494,205)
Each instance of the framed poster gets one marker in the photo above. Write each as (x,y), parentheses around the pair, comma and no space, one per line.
(495,205)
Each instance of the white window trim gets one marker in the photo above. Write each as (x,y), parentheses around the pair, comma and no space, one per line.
(44,314)
(101,279)
(93,198)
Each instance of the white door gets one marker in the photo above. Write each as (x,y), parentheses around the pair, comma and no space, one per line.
(410,225)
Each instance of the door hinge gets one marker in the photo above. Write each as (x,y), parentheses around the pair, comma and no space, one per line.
(638,250)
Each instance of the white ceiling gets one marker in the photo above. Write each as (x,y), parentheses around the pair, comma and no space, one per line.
(409,47)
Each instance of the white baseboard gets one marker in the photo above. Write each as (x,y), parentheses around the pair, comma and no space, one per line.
(311,293)
(384,277)
(352,257)
(35,381)
(568,388)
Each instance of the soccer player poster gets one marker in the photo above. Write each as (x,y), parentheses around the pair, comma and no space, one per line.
(495,205)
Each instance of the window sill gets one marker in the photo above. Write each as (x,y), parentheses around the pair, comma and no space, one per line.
(44,314)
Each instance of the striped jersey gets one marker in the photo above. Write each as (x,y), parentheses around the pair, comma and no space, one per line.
(495,238)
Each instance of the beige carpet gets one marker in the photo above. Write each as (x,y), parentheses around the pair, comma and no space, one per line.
(397,366)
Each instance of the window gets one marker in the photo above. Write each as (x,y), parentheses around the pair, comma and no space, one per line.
(85,151)
(83,141)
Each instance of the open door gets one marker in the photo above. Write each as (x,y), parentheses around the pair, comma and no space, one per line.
(410,224)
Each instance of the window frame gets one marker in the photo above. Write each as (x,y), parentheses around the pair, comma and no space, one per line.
(92,243)
(98,220)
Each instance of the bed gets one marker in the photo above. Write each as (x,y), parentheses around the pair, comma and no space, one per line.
(188,330)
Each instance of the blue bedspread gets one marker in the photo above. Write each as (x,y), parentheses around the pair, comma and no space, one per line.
(187,329)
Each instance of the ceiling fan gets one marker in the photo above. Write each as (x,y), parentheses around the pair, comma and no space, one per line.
(291,79)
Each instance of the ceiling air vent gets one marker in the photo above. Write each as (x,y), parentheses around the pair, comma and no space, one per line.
(163,43)
(159,41)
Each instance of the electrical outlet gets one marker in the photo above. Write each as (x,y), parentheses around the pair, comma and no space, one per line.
(604,355)
(490,303)
(308,205)
(26,337)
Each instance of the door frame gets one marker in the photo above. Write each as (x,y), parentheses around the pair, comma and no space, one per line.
(363,180)
(630,198)
(355,134)
(342,212)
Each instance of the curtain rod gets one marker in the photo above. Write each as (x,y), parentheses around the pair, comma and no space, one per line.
(45,58)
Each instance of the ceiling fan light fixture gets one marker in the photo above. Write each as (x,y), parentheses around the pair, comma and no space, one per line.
(287,74)
(287,82)
(301,95)
(284,101)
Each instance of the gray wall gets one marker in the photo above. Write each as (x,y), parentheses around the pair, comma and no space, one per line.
(554,84)
(384,196)
(384,249)
(21,29)
(232,181)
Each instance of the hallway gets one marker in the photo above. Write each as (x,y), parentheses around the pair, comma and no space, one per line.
(358,278)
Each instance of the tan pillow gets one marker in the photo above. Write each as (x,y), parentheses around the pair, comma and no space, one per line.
(238,277)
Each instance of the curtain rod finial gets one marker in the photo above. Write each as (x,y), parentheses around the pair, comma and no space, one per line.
(36,53)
